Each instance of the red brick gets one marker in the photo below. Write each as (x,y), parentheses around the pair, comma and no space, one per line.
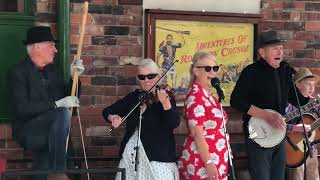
(110,151)
(85,100)
(94,29)
(304,53)
(271,25)
(104,1)
(94,151)
(285,34)
(133,10)
(87,60)
(316,36)
(117,51)
(98,90)
(92,110)
(117,71)
(135,51)
(295,16)
(279,15)
(267,14)
(5,132)
(74,39)
(276,5)
(317,53)
(12,153)
(312,6)
(288,53)
(309,16)
(312,26)
(93,50)
(127,41)
(108,100)
(85,80)
(130,2)
(124,90)
(77,19)
(105,61)
(88,120)
(130,20)
(105,19)
(294,44)
(295,5)
(294,26)
(135,30)
(12,144)
(303,35)
(130,71)
(74,28)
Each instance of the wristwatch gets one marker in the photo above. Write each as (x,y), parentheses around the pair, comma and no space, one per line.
(209,161)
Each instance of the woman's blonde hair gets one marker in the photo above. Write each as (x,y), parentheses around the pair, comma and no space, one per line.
(198,56)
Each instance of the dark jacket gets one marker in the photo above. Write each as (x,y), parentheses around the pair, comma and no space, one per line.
(265,87)
(34,91)
(156,127)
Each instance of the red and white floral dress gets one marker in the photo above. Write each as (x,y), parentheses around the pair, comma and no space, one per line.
(202,109)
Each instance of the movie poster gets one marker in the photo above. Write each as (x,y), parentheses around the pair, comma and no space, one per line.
(231,43)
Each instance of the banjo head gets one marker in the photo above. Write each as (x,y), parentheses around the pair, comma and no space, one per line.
(264,134)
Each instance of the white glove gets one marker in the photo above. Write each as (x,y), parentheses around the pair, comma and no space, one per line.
(76,65)
(68,102)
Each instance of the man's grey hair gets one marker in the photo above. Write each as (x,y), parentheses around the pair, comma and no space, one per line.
(29,47)
(150,64)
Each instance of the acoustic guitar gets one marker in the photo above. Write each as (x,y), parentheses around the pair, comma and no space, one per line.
(295,147)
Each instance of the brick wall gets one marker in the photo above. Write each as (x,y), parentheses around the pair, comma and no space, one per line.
(112,47)
(113,44)
(298,22)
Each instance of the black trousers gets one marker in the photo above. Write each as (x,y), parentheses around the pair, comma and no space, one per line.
(266,163)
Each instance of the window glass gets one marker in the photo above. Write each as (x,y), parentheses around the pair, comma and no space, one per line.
(12,6)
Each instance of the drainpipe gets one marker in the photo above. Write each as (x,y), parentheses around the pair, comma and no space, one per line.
(63,25)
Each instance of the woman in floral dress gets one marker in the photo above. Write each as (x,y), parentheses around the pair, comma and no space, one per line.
(205,154)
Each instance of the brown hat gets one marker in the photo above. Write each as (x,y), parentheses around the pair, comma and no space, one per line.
(304,73)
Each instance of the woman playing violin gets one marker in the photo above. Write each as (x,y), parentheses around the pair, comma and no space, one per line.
(157,124)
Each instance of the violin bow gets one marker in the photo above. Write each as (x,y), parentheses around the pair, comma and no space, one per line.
(75,87)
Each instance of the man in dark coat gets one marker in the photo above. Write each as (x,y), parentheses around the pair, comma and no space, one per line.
(266,84)
(41,102)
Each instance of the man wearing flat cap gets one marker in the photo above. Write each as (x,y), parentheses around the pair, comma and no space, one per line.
(41,101)
(266,84)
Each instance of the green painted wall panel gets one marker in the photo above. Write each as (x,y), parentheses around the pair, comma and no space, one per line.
(12,50)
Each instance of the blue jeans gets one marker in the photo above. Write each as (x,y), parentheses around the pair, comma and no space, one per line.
(45,136)
(266,163)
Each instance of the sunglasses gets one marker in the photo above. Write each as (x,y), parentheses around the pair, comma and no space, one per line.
(148,76)
(209,68)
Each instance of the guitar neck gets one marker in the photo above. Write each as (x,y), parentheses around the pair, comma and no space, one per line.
(304,109)
(315,125)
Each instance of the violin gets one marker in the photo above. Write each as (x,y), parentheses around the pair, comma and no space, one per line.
(153,96)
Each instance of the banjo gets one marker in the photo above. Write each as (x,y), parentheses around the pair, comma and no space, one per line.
(262,133)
